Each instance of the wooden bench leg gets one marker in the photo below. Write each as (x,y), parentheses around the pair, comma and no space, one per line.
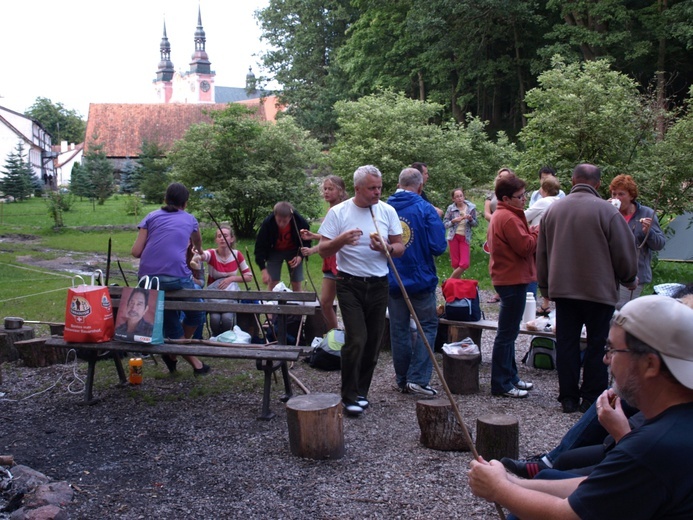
(119,368)
(268,367)
(287,383)
(89,384)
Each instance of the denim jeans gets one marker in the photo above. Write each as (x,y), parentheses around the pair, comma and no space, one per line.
(587,431)
(570,316)
(409,353)
(173,328)
(362,304)
(503,365)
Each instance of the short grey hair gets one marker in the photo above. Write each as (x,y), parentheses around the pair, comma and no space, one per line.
(410,178)
(363,171)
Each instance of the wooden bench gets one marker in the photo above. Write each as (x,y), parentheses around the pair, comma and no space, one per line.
(458,330)
(269,358)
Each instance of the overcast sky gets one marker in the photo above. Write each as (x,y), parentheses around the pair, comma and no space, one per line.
(88,51)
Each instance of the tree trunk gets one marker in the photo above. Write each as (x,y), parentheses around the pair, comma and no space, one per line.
(462,373)
(497,436)
(439,427)
(661,79)
(315,426)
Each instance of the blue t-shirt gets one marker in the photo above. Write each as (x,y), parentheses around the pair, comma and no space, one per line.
(647,474)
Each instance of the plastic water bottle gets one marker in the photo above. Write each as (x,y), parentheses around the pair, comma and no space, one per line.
(135,371)
(530,308)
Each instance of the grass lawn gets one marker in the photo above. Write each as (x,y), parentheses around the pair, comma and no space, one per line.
(39,294)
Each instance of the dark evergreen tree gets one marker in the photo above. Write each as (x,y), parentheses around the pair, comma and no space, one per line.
(80,185)
(152,172)
(18,179)
(99,171)
(128,177)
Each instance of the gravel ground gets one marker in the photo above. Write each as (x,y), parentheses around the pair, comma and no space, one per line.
(193,448)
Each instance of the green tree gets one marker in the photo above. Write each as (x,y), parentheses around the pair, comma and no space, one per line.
(128,177)
(244,166)
(99,172)
(585,113)
(665,172)
(304,36)
(19,180)
(151,175)
(80,184)
(391,131)
(470,56)
(61,123)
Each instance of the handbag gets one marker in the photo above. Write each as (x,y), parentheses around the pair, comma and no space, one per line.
(88,312)
(462,300)
(140,317)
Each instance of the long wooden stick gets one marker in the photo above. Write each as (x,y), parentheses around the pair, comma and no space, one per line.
(455,408)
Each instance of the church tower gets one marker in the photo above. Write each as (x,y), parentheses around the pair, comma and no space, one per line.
(164,75)
(201,77)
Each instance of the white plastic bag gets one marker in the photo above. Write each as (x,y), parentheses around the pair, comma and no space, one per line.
(464,347)
(237,335)
(241,335)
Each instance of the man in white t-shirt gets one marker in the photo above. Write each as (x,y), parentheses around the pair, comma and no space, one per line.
(349,231)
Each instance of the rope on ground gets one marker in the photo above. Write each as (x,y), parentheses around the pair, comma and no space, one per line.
(77,378)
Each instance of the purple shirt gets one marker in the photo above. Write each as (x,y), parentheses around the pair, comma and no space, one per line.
(168,236)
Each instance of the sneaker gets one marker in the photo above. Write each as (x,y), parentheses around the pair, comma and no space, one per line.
(514,392)
(352,409)
(569,405)
(524,385)
(401,389)
(169,362)
(527,468)
(362,402)
(202,371)
(421,389)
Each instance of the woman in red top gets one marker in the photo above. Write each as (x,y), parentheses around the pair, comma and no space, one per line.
(334,192)
(224,273)
(512,267)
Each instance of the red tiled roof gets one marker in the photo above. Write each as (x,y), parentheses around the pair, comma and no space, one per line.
(121,128)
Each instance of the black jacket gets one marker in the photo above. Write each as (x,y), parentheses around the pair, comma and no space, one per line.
(268,234)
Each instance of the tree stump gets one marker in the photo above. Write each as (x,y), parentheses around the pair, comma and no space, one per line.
(35,353)
(462,372)
(315,426)
(498,436)
(439,427)
(8,352)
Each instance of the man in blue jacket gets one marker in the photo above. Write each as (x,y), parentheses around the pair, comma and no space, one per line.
(423,235)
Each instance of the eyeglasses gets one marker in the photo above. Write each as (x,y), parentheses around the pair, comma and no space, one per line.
(610,351)
(521,196)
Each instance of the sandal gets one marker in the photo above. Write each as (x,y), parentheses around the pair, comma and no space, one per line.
(543,311)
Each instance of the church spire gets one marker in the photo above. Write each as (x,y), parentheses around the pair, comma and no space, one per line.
(200,63)
(165,70)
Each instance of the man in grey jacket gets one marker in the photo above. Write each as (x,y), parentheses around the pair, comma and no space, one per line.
(585,250)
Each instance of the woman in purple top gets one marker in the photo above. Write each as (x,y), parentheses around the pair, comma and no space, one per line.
(161,246)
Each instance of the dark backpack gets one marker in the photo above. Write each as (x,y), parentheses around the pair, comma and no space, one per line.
(327,355)
(462,300)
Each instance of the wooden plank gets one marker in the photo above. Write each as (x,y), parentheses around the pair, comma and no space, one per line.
(493,325)
(226,350)
(283,296)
